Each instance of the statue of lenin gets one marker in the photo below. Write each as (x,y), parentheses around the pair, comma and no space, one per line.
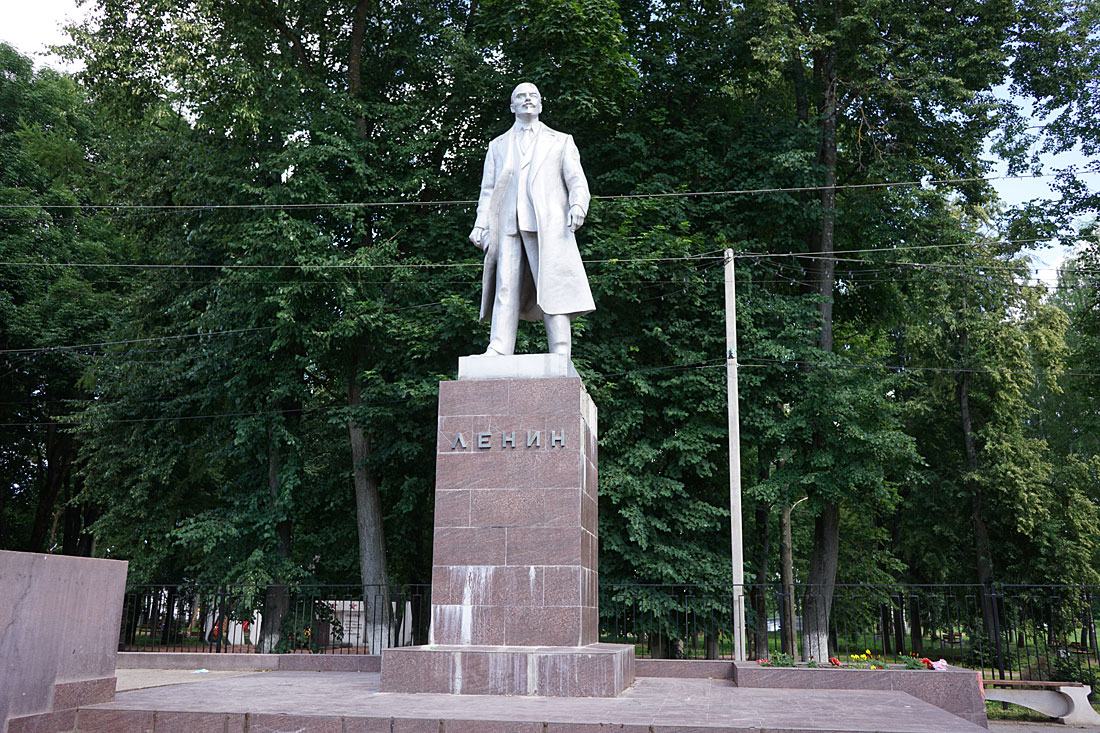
(534,196)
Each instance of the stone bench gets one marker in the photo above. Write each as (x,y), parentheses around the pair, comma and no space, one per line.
(1066,701)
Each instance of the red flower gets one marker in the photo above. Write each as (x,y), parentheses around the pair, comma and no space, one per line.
(834,661)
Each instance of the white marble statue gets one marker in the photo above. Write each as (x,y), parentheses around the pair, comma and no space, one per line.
(533,198)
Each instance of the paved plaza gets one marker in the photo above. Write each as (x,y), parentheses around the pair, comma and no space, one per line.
(350,701)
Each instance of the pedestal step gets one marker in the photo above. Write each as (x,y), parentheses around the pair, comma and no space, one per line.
(595,670)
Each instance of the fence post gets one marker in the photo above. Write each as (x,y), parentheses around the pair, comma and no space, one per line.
(1091,620)
(884,622)
(219,617)
(996,623)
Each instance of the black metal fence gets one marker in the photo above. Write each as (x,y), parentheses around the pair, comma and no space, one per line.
(1007,631)
(331,619)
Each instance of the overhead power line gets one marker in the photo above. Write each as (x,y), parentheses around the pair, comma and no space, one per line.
(711,254)
(178,418)
(720,362)
(393,266)
(853,276)
(45,349)
(901,369)
(467,202)
(957,265)
(811,255)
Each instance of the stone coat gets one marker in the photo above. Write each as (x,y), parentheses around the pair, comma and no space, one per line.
(556,183)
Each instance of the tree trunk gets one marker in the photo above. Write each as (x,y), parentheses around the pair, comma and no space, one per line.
(154,615)
(819,594)
(77,539)
(377,612)
(823,562)
(711,648)
(787,629)
(276,605)
(70,539)
(757,593)
(661,647)
(916,632)
(1092,629)
(59,461)
(166,635)
(368,516)
(131,613)
(77,519)
(899,623)
(53,526)
(983,556)
(276,598)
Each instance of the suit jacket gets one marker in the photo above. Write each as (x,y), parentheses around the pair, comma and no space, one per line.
(555,182)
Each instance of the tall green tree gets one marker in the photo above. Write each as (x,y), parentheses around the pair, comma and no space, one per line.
(252,105)
(279,378)
(890,94)
(53,172)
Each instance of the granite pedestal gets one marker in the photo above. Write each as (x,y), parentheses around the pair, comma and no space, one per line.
(514,570)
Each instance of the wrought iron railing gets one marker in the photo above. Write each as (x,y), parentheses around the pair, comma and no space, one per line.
(331,619)
(1007,631)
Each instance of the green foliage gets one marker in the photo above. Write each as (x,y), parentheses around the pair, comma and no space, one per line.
(779,659)
(51,145)
(912,661)
(1065,667)
(235,444)
(303,628)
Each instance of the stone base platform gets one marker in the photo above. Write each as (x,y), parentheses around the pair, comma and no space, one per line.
(596,670)
(350,702)
(520,366)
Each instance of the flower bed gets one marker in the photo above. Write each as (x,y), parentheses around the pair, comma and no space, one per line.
(956,690)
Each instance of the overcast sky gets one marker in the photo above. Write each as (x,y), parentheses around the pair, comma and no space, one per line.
(33,25)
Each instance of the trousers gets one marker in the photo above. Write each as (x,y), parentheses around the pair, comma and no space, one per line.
(502,330)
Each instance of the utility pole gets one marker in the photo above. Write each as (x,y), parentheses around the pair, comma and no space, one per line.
(737,550)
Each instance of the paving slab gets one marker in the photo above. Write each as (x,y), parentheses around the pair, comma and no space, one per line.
(140,679)
(352,701)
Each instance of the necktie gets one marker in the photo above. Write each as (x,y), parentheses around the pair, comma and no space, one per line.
(525,136)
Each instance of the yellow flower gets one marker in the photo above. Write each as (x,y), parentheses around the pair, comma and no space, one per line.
(868,652)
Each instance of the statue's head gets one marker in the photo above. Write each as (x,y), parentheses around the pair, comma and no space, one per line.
(526,100)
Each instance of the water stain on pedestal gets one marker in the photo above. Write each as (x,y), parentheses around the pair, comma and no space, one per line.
(514,610)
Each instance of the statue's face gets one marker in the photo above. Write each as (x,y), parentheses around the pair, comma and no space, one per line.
(526,100)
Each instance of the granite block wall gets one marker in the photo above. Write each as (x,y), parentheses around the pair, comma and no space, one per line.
(59,626)
(515,546)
